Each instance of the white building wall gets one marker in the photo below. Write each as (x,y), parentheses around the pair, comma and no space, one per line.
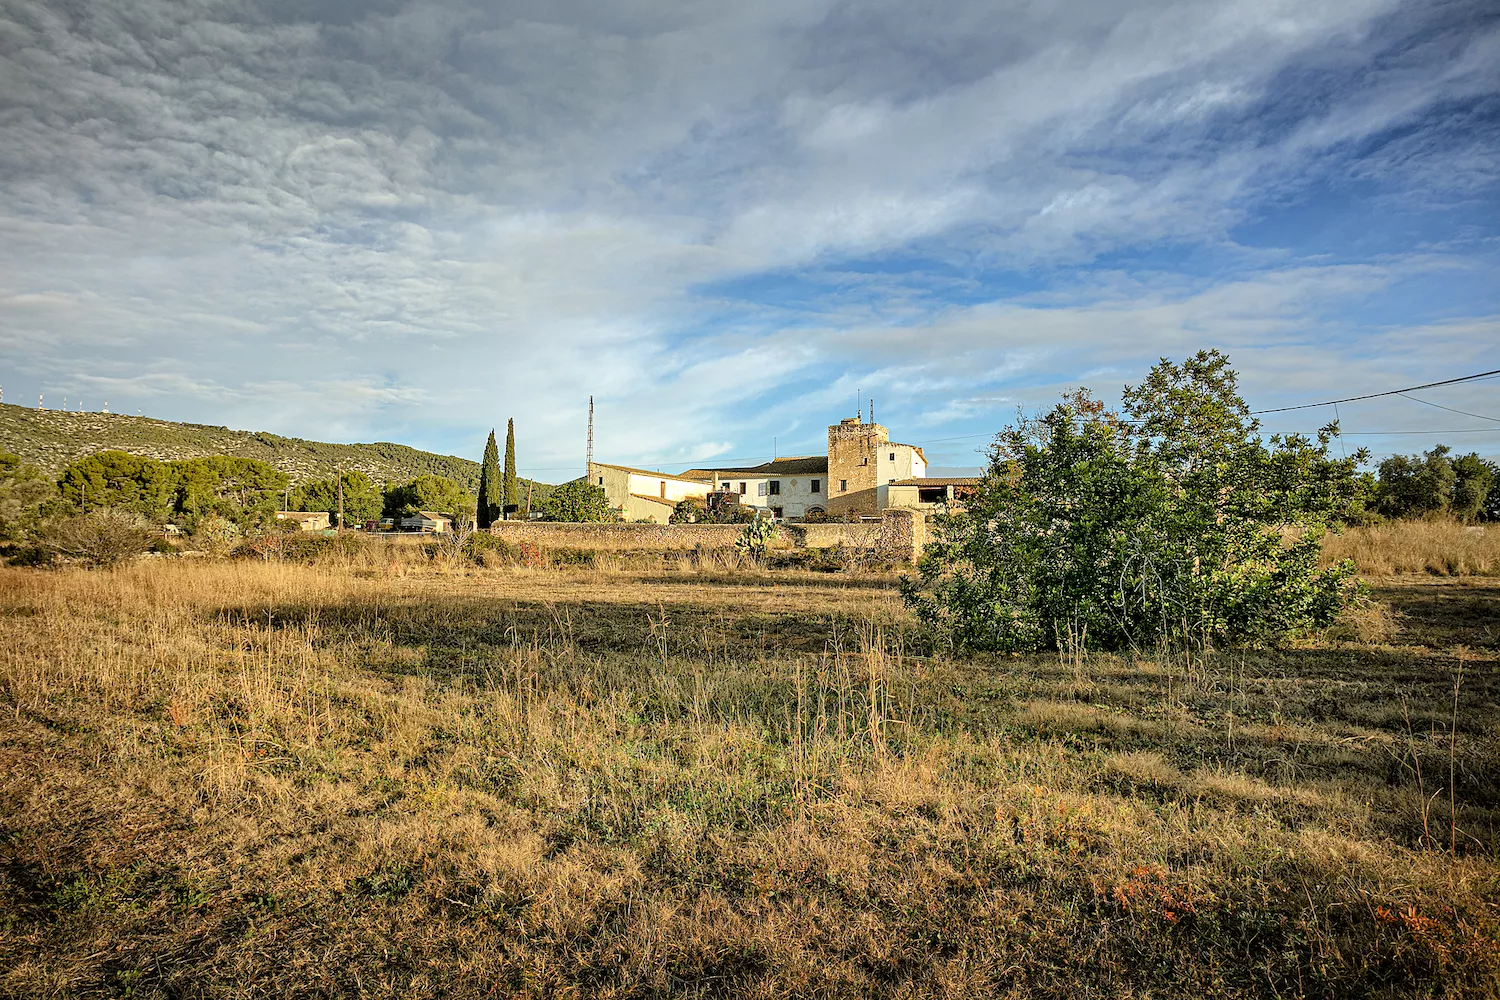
(895,462)
(665,487)
(795,499)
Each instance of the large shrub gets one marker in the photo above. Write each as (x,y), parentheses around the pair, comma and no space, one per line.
(1171,523)
(102,537)
(578,500)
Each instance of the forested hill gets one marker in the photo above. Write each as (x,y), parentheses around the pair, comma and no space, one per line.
(51,439)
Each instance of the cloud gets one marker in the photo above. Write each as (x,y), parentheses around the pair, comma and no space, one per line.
(418,219)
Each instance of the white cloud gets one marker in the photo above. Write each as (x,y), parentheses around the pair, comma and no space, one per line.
(429,219)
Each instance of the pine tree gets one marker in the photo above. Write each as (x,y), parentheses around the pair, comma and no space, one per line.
(490,496)
(512,492)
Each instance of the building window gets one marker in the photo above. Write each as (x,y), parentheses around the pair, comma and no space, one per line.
(601,480)
(776,487)
(776,511)
(893,456)
(843,485)
(760,488)
(742,489)
(663,489)
(817,486)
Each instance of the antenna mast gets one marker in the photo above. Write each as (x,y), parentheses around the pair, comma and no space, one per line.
(591,437)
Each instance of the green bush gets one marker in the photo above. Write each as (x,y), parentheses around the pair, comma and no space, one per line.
(578,500)
(1172,524)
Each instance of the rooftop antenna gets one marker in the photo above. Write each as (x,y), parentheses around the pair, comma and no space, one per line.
(872,409)
(591,437)
(859,414)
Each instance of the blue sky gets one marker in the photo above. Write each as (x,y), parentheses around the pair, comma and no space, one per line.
(729,222)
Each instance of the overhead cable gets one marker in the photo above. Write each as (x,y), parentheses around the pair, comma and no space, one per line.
(1373,395)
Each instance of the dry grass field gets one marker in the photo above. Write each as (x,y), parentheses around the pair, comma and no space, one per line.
(373,778)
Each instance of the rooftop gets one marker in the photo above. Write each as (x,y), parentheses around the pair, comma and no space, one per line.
(685,476)
(795,465)
(951,481)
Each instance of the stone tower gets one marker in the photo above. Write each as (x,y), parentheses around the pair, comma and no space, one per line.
(853,464)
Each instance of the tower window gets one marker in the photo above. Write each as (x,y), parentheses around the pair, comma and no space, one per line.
(843,485)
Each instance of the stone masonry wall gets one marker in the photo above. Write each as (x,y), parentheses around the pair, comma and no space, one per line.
(898,535)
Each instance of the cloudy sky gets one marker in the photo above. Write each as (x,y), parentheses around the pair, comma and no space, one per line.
(729,221)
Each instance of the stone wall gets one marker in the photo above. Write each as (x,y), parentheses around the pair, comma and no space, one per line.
(898,535)
(618,536)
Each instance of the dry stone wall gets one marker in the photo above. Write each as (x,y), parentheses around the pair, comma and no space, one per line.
(898,535)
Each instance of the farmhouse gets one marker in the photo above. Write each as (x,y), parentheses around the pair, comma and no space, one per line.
(853,478)
(306,520)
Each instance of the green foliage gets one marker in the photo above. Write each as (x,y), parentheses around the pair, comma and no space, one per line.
(216,534)
(695,510)
(1177,525)
(24,495)
(1435,484)
(119,481)
(434,493)
(491,492)
(512,494)
(1474,482)
(578,500)
(689,510)
(757,536)
(363,500)
(240,490)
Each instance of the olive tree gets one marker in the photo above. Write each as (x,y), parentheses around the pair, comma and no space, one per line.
(1169,523)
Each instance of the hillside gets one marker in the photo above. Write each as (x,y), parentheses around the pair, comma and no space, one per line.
(51,439)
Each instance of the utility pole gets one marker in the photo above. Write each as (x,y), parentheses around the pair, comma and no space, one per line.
(340,525)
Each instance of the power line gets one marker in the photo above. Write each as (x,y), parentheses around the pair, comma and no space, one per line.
(1450,409)
(1373,395)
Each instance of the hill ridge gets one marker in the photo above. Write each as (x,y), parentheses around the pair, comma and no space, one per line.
(51,439)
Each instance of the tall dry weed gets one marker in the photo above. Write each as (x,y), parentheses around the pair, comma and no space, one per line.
(1443,548)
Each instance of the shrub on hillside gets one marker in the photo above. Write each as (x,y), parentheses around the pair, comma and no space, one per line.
(1172,525)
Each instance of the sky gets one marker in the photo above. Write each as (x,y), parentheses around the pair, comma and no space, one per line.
(732,223)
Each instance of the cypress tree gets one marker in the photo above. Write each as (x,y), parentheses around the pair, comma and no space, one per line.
(512,491)
(490,496)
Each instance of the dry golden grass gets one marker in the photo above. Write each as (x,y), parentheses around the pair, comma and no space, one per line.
(394,778)
(1442,548)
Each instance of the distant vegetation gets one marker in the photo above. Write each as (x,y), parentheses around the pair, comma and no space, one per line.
(1437,483)
(51,439)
